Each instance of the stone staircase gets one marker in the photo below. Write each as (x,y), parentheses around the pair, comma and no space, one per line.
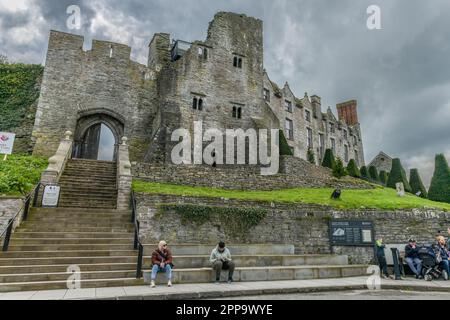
(98,241)
(89,184)
(254,263)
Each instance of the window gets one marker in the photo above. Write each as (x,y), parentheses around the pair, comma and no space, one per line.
(203,53)
(346,153)
(332,127)
(287,106)
(111,51)
(356,158)
(237,62)
(345,135)
(237,112)
(289,129)
(333,145)
(310,138)
(240,63)
(197,103)
(308,115)
(321,145)
(266,94)
(355,142)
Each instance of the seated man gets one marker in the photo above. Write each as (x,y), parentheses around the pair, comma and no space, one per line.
(412,258)
(441,251)
(221,260)
(162,262)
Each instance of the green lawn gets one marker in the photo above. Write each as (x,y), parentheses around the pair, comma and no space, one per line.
(383,198)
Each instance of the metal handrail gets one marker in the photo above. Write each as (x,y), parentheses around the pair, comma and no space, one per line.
(137,243)
(26,208)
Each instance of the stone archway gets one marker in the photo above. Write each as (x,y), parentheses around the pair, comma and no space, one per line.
(97,135)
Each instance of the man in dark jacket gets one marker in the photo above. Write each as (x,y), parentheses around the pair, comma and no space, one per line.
(412,258)
(381,257)
(441,251)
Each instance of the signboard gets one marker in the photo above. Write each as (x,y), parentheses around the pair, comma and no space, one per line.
(6,142)
(351,233)
(51,196)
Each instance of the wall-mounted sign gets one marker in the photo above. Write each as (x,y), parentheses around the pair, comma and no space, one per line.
(51,196)
(351,233)
(6,142)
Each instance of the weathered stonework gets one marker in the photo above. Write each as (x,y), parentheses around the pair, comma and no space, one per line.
(8,208)
(305,226)
(382,162)
(147,103)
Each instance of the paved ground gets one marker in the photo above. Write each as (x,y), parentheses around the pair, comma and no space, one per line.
(299,289)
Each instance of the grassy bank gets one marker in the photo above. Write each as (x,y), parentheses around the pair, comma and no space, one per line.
(381,198)
(19,174)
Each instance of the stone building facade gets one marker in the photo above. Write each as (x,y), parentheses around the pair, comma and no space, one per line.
(382,162)
(220,81)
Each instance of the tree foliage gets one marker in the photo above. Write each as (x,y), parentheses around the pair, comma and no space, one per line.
(440,183)
(311,157)
(398,175)
(339,169)
(328,160)
(373,174)
(364,173)
(353,169)
(285,150)
(383,177)
(416,183)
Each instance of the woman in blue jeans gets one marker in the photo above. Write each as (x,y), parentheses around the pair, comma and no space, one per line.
(161,262)
(441,250)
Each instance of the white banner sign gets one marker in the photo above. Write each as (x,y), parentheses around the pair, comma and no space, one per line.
(51,196)
(6,142)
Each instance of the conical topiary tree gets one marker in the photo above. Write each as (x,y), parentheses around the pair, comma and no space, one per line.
(353,170)
(285,150)
(329,160)
(339,169)
(398,175)
(373,174)
(364,173)
(440,183)
(383,177)
(416,183)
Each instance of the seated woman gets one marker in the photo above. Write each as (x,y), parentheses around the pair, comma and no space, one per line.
(442,256)
(162,262)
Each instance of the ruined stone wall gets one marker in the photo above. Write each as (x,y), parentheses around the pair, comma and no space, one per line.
(305,226)
(9,206)
(77,81)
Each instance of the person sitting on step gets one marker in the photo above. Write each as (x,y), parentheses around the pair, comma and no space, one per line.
(162,262)
(221,260)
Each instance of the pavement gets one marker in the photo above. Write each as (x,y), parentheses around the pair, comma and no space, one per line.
(224,290)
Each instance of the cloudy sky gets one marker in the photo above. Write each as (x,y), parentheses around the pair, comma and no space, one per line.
(400,74)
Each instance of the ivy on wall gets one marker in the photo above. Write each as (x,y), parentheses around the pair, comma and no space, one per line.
(19,89)
(238,221)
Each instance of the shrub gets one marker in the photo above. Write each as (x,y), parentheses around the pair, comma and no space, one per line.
(373,174)
(329,160)
(339,169)
(383,177)
(398,175)
(353,169)
(440,183)
(416,183)
(311,157)
(285,150)
(364,173)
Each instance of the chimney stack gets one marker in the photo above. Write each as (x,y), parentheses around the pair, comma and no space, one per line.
(348,112)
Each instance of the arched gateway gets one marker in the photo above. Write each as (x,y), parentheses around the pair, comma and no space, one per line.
(97,135)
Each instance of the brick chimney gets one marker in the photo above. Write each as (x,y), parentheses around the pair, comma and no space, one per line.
(348,112)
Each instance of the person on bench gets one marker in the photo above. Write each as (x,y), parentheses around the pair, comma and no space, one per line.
(221,260)
(412,258)
(162,262)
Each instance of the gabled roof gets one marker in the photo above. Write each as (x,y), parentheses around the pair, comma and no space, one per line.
(381,154)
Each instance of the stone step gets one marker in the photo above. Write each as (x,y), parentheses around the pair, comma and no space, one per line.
(73,223)
(67,260)
(82,181)
(70,228)
(69,253)
(88,275)
(54,285)
(235,249)
(63,268)
(67,241)
(87,211)
(205,275)
(86,196)
(73,219)
(193,261)
(88,189)
(100,205)
(72,171)
(40,235)
(67,247)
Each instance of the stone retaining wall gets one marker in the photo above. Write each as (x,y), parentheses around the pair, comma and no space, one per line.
(305,226)
(8,208)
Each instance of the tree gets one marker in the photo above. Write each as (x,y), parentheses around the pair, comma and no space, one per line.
(339,169)
(416,183)
(440,183)
(328,160)
(311,157)
(383,177)
(3,59)
(364,173)
(353,169)
(285,150)
(398,175)
(373,174)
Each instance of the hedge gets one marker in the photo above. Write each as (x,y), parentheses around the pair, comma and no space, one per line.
(398,175)
(329,160)
(416,183)
(440,183)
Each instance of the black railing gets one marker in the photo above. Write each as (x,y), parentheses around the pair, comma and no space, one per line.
(137,243)
(26,209)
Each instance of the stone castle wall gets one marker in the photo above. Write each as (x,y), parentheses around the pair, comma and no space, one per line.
(305,226)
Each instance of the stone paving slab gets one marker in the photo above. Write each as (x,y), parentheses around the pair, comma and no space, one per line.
(203,290)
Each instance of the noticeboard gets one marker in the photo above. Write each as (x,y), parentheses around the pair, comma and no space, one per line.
(6,142)
(351,233)
(51,196)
